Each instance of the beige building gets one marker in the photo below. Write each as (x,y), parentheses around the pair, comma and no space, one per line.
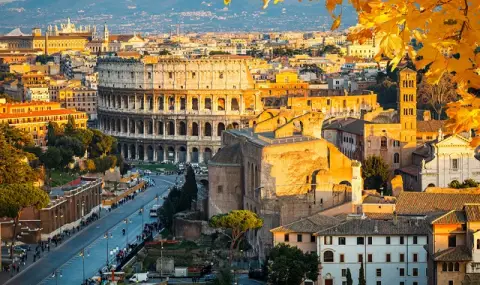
(79,98)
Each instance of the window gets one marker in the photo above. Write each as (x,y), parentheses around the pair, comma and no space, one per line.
(170,75)
(478,243)
(379,282)
(455,164)
(312,238)
(450,266)
(387,240)
(344,272)
(402,241)
(415,257)
(360,258)
(193,75)
(402,257)
(388,257)
(328,256)
(452,241)
(327,240)
(299,238)
(208,103)
(415,239)
(383,142)
(450,282)
(415,271)
(396,158)
(415,283)
(379,272)
(444,266)
(341,241)
(360,240)
(402,283)
(402,271)
(369,240)
(220,189)
(370,257)
(457,266)
(287,237)
(342,258)
(149,75)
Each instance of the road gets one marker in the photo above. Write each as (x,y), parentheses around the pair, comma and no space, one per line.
(66,258)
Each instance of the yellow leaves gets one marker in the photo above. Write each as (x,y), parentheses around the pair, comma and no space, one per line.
(336,22)
(227,2)
(332,4)
(463,119)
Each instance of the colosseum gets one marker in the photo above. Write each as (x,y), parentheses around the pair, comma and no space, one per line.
(171,109)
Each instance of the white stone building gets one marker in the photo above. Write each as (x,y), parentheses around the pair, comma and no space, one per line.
(437,163)
(37,94)
(392,252)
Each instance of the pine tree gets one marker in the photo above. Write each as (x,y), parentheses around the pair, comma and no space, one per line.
(361,276)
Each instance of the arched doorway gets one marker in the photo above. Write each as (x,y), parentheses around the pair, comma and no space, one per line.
(208,130)
(183,129)
(160,155)
(182,154)
(150,153)
(125,126)
(207,154)
(132,151)
(194,155)
(171,129)
(171,154)
(220,129)
(194,129)
(141,152)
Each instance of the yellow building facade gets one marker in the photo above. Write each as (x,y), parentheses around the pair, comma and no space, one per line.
(34,117)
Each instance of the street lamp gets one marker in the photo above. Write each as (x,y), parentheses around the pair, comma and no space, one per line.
(142,210)
(161,260)
(82,254)
(127,221)
(56,274)
(107,236)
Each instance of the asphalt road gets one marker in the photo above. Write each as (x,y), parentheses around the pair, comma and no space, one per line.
(66,259)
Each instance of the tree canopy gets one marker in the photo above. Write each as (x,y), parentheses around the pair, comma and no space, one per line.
(288,265)
(14,166)
(375,172)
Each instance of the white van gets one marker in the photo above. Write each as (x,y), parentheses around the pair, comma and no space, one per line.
(139,277)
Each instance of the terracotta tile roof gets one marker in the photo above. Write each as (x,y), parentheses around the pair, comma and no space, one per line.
(452,217)
(378,227)
(311,224)
(472,211)
(459,253)
(40,113)
(421,203)
(431,126)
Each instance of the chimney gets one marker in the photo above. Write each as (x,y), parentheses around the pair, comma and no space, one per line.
(427,116)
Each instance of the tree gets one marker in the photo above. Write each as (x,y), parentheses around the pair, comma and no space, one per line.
(83,135)
(70,126)
(224,277)
(101,144)
(52,158)
(7,98)
(349,277)
(164,52)
(14,166)
(446,41)
(331,49)
(375,172)
(16,137)
(53,132)
(14,198)
(218,52)
(361,275)
(189,190)
(71,143)
(437,95)
(288,265)
(237,222)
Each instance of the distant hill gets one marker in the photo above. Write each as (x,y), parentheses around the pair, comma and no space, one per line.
(158,15)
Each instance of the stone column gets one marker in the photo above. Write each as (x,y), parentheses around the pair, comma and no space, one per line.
(200,155)
(137,153)
(144,127)
(145,153)
(188,154)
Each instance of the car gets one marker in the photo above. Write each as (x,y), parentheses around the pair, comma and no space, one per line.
(210,277)
(139,277)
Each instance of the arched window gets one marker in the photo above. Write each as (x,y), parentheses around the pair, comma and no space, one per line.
(383,142)
(208,130)
(235,106)
(457,266)
(171,128)
(396,158)
(220,128)
(328,256)
(444,266)
(183,129)
(194,129)
(221,104)
(195,104)
(450,266)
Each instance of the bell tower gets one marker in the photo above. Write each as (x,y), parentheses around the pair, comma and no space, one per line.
(407,113)
(106,33)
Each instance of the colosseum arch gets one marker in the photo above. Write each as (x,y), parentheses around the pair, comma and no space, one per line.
(234,104)
(194,155)
(171,154)
(220,129)
(132,151)
(125,150)
(195,104)
(182,128)
(119,126)
(125,102)
(182,154)
(160,153)
(207,154)
(124,126)
(194,129)
(160,128)
(171,128)
(140,126)
(150,153)
(161,105)
(171,103)
(141,152)
(235,125)
(221,104)
(150,103)
(208,130)
(150,127)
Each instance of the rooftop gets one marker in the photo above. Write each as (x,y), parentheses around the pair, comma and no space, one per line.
(228,155)
(311,224)
(459,253)
(40,113)
(268,138)
(421,203)
(360,227)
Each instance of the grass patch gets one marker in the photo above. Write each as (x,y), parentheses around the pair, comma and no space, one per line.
(156,167)
(59,178)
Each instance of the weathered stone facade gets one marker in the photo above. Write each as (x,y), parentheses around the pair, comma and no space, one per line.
(174,109)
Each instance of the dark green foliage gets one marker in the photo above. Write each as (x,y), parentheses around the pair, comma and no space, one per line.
(16,137)
(44,59)
(71,143)
(361,276)
(170,207)
(53,132)
(224,277)
(6,97)
(101,144)
(52,158)
(349,277)
(104,163)
(386,90)
(468,183)
(218,52)
(331,49)
(14,167)
(289,265)
(375,172)
(70,126)
(189,191)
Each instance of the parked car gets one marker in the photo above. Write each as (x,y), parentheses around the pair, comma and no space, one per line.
(139,277)
(210,277)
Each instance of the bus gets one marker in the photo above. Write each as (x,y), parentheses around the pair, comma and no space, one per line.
(154,211)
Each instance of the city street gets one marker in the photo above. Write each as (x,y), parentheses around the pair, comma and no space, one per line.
(66,259)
